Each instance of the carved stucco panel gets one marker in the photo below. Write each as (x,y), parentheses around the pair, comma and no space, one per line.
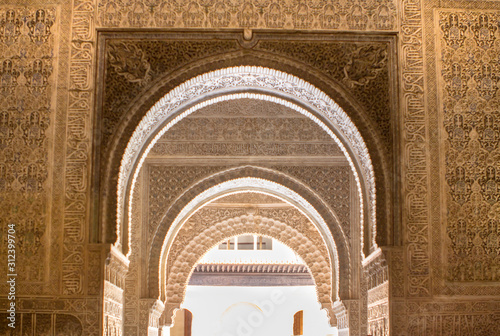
(26,92)
(414,135)
(332,184)
(335,246)
(470,103)
(166,183)
(355,15)
(452,318)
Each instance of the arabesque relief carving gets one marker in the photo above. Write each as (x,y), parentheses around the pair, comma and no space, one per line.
(166,183)
(77,151)
(133,64)
(376,277)
(246,128)
(452,318)
(332,184)
(46,323)
(470,102)
(27,46)
(363,69)
(235,77)
(415,139)
(358,15)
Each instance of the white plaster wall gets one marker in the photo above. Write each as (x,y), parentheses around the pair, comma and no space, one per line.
(254,311)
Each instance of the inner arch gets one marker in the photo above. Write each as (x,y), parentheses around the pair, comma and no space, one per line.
(172,108)
(258,185)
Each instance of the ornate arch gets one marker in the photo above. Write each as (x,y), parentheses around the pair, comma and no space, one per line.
(278,87)
(249,178)
(305,241)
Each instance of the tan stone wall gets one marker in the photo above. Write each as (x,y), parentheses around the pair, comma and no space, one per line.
(449,144)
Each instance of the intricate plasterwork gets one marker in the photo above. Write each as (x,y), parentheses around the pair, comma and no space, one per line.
(112,310)
(211,187)
(361,68)
(77,146)
(415,142)
(46,323)
(27,80)
(376,277)
(247,198)
(166,183)
(247,127)
(115,272)
(378,322)
(454,317)
(133,65)
(338,15)
(245,77)
(469,53)
(132,290)
(332,184)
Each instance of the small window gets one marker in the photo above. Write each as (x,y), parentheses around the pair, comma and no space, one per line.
(246,242)
(227,245)
(264,243)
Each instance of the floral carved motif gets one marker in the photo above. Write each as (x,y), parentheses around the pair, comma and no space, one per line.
(362,67)
(130,62)
(470,105)
(131,65)
(27,81)
(380,15)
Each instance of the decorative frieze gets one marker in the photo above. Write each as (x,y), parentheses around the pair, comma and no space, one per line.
(356,15)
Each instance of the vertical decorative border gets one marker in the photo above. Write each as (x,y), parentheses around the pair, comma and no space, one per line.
(78,147)
(415,149)
(57,161)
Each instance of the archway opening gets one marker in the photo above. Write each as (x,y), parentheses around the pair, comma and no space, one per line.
(254,217)
(253,285)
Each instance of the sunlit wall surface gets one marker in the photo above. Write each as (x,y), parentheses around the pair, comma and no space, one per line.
(254,311)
